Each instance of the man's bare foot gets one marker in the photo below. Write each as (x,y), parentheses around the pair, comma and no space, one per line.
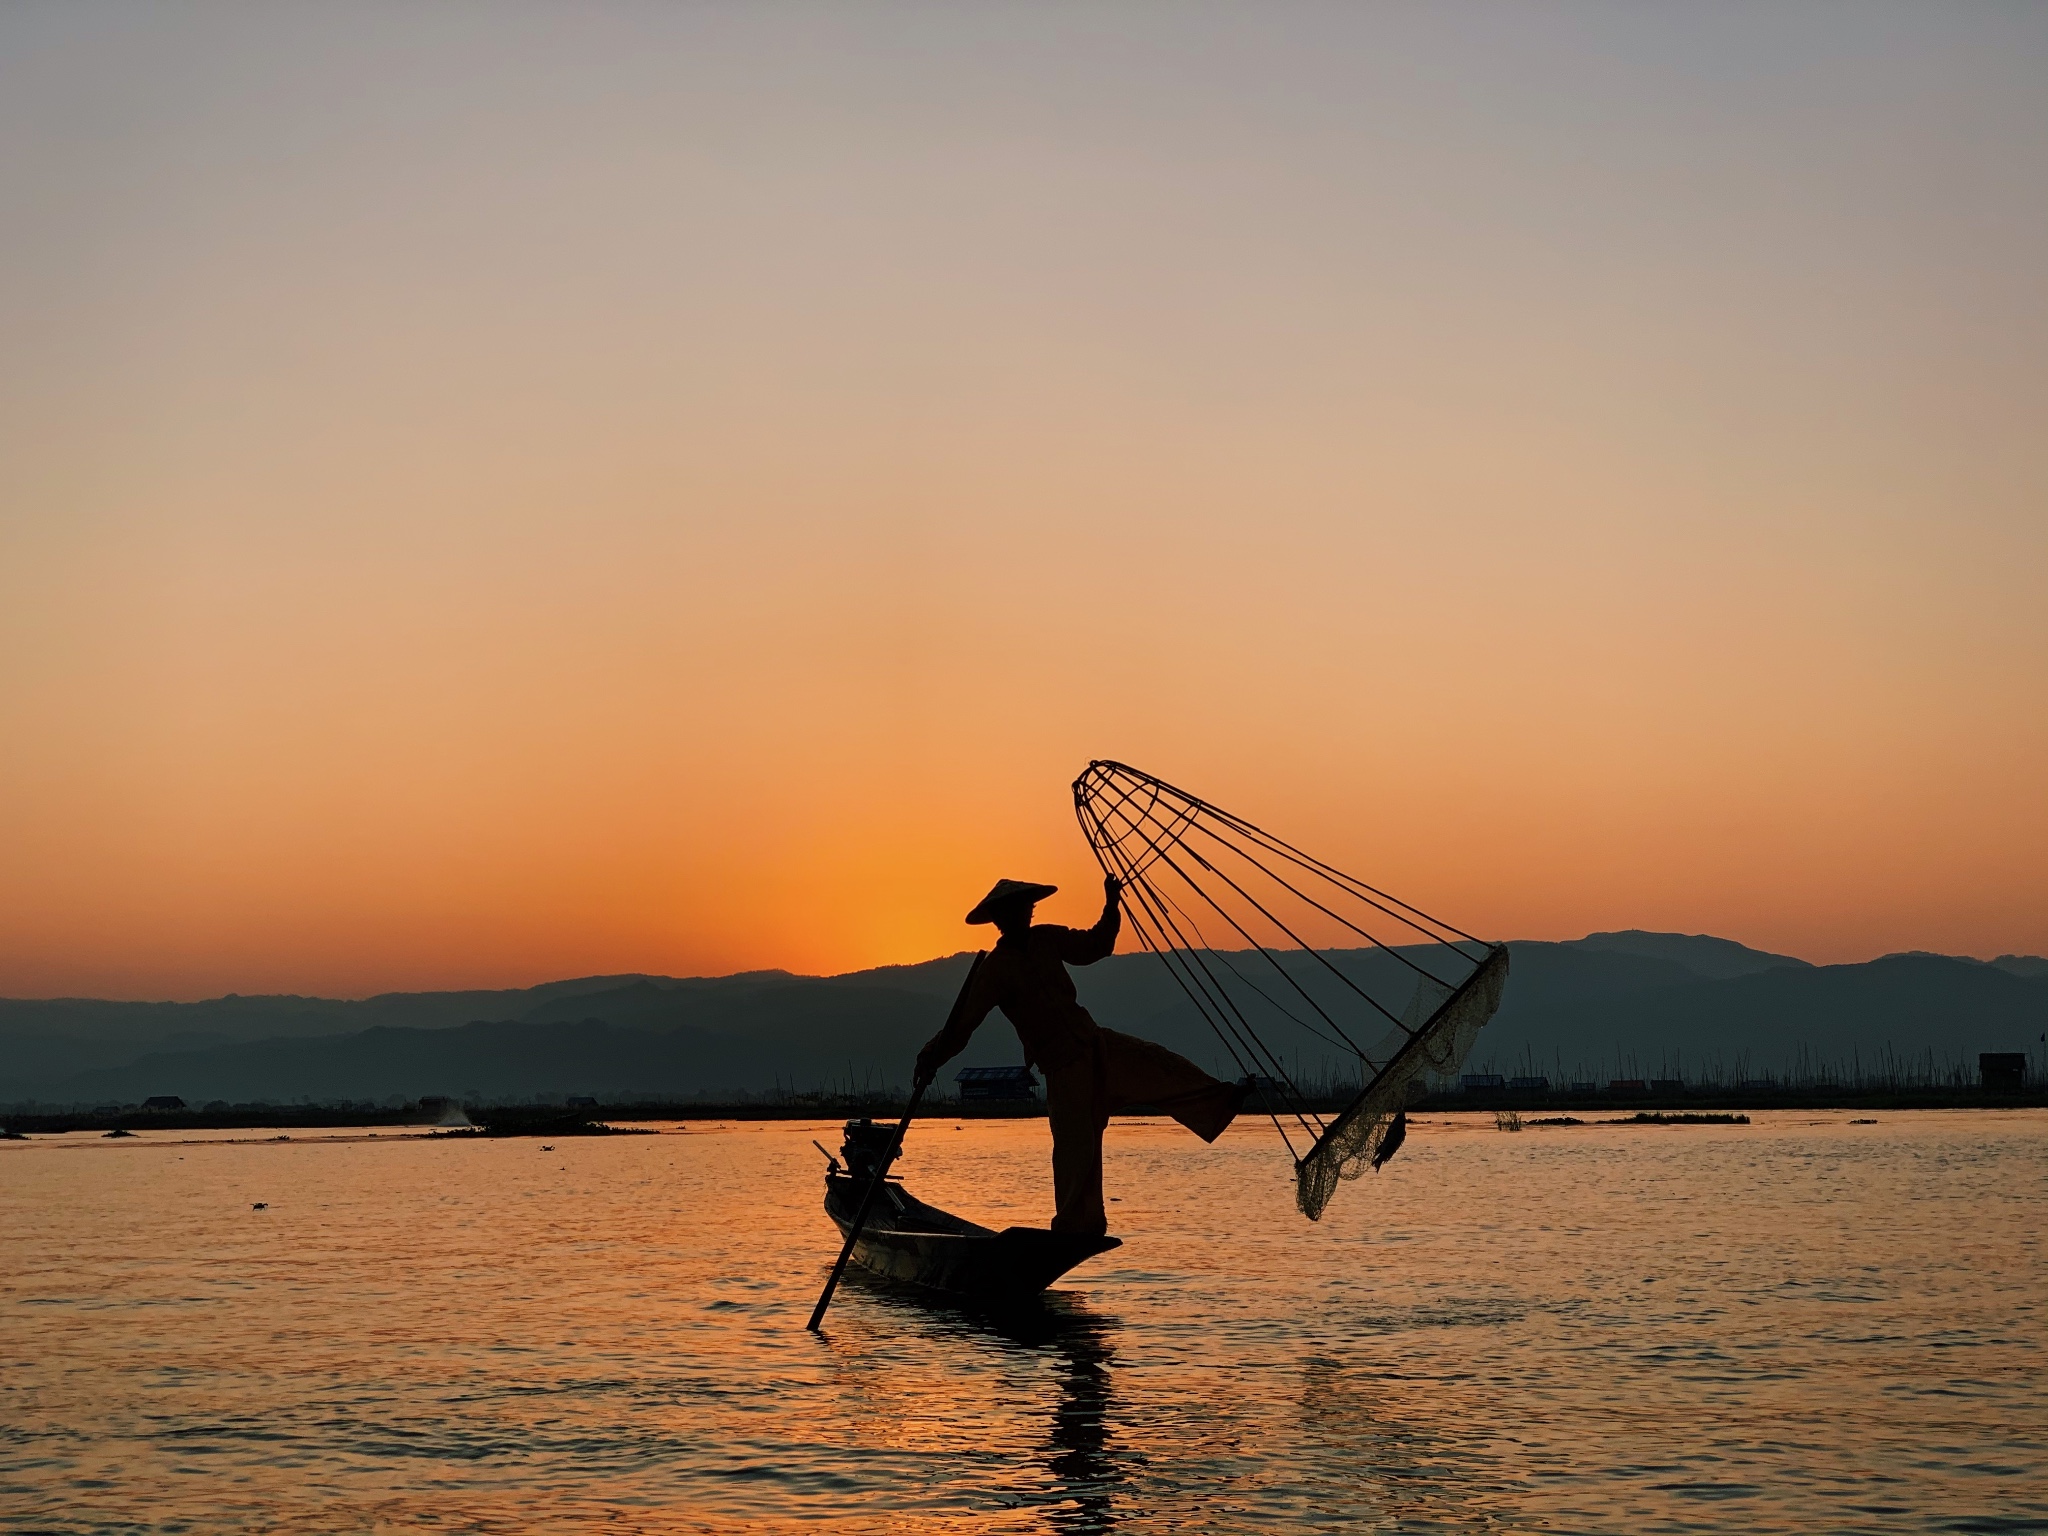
(1238,1092)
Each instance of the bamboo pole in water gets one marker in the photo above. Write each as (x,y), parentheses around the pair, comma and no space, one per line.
(867,1201)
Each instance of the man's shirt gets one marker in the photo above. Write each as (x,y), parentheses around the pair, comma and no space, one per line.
(1027,978)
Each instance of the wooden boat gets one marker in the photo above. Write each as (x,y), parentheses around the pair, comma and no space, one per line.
(920,1245)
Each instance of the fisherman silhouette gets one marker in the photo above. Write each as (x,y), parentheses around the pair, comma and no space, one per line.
(1090,1072)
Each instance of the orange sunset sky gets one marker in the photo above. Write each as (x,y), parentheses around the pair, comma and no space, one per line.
(491,493)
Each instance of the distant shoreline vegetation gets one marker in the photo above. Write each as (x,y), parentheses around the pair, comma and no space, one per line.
(1703,1105)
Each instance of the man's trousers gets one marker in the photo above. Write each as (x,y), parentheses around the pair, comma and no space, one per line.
(1121,1072)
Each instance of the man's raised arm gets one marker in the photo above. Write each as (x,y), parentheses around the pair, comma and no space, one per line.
(1085,946)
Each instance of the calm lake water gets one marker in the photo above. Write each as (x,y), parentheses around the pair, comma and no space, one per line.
(1798,1325)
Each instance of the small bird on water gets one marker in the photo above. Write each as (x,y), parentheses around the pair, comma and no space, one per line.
(260,1205)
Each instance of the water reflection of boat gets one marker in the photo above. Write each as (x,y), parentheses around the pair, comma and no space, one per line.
(920,1245)
(1075,1476)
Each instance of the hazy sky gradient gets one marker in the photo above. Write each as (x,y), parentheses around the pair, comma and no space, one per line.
(490,493)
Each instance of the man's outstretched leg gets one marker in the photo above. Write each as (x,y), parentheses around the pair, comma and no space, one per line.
(1140,1072)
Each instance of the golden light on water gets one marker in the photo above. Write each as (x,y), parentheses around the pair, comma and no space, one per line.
(1592,1328)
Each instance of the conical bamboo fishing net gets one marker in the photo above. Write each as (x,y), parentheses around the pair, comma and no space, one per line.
(1315,982)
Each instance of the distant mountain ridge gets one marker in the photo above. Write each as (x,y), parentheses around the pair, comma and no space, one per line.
(1628,1004)
(1700,953)
(2018,965)
(292,1047)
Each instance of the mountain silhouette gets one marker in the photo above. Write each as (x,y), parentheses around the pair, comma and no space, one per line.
(1628,1004)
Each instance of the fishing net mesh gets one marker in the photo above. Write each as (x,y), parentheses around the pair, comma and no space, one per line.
(1439,1047)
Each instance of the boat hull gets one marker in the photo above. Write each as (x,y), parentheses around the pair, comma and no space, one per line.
(911,1243)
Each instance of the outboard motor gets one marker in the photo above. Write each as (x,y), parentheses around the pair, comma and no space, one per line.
(864,1147)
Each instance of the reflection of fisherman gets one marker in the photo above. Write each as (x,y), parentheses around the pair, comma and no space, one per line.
(1090,1072)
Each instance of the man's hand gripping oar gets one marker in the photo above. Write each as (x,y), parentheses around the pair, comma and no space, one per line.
(867,1201)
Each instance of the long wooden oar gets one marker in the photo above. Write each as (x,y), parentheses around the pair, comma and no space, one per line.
(867,1201)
